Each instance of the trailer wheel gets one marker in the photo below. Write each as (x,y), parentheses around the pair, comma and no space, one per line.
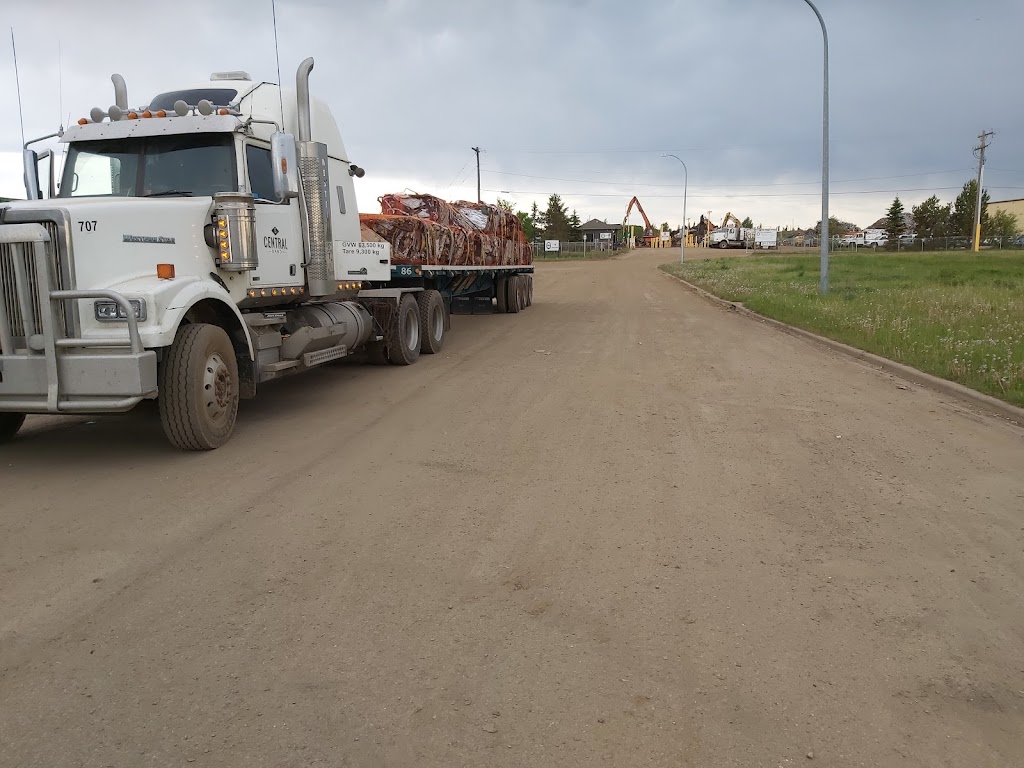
(432,321)
(501,291)
(529,290)
(404,333)
(10,423)
(198,382)
(513,295)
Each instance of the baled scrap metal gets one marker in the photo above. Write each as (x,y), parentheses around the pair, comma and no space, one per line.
(424,229)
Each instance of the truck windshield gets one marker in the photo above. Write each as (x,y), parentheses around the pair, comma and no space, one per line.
(181,165)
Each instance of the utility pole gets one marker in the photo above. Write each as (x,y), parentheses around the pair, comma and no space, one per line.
(477,150)
(983,138)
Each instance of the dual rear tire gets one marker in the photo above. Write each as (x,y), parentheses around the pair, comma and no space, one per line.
(514,293)
(419,326)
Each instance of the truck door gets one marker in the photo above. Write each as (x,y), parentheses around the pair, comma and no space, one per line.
(278,230)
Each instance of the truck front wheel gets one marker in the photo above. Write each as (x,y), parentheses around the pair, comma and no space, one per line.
(723,244)
(10,423)
(198,382)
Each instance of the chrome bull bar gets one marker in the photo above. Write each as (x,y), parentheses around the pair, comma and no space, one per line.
(37,373)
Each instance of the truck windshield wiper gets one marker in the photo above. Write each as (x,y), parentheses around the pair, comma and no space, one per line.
(169,192)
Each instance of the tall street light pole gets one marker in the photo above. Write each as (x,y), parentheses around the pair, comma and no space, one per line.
(823,287)
(683,230)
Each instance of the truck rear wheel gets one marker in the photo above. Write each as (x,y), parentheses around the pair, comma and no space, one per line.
(10,423)
(432,321)
(529,290)
(404,333)
(501,290)
(198,381)
(513,296)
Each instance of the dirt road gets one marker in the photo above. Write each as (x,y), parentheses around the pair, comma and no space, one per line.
(622,528)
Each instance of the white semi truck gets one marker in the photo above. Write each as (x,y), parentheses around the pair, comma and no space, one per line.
(198,248)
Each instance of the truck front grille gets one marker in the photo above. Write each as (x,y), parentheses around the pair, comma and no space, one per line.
(20,329)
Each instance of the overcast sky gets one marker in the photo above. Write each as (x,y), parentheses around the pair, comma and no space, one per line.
(581,97)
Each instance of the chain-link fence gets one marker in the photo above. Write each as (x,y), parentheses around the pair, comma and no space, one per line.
(574,250)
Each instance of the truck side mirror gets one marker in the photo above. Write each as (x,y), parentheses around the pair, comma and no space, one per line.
(285,161)
(31,162)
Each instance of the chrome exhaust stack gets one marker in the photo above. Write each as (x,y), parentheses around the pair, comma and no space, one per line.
(315,199)
(120,91)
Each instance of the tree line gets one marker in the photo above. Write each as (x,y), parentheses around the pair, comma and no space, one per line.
(934,219)
(553,223)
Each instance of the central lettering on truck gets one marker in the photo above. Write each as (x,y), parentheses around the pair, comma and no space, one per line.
(275,243)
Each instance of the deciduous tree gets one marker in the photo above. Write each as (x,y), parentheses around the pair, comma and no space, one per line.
(961,222)
(931,218)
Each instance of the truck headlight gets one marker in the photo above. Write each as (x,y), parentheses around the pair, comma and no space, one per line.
(107,311)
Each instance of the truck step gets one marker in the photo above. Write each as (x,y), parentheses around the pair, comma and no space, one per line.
(280,365)
(323,355)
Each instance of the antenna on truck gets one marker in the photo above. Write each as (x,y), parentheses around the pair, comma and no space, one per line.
(17,83)
(277,56)
(60,89)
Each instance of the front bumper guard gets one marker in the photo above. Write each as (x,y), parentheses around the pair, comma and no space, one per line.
(43,367)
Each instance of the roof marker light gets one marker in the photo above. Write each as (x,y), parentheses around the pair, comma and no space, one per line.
(82,121)
(161,113)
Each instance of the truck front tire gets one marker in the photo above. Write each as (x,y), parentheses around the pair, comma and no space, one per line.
(723,244)
(404,333)
(10,423)
(432,321)
(199,387)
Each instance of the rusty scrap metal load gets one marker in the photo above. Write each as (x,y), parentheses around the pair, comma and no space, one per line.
(426,230)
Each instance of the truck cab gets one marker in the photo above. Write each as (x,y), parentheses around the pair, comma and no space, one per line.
(198,246)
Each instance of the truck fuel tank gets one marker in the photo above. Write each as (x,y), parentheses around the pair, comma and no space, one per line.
(321,326)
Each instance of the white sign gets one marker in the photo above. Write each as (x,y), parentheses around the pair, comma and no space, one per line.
(606,235)
(666,236)
(366,249)
(550,245)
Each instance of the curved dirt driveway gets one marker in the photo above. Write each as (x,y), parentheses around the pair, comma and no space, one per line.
(624,527)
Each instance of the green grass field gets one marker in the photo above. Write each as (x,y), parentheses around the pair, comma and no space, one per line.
(956,315)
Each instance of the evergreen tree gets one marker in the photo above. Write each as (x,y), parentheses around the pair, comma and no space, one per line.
(575,231)
(537,217)
(894,223)
(747,223)
(556,219)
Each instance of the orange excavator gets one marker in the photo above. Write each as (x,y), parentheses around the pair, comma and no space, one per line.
(649,231)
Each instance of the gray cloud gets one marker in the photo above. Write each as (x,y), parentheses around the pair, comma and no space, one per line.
(587,90)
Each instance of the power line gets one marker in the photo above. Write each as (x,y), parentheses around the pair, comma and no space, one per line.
(457,175)
(764,184)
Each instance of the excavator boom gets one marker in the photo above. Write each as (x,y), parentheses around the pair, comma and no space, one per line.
(728,216)
(647,222)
